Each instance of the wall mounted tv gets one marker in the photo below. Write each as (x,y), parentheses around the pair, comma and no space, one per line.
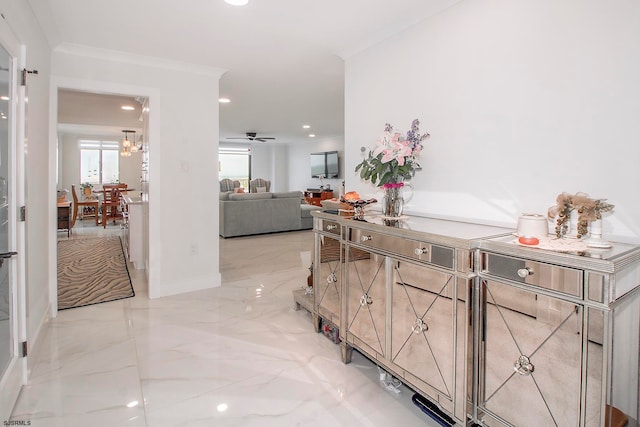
(325,164)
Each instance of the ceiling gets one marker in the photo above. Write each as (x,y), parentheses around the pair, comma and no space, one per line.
(284,58)
(97,114)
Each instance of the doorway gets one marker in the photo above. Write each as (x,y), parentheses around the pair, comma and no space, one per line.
(88,111)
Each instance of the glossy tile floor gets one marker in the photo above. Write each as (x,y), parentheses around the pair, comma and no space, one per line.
(236,355)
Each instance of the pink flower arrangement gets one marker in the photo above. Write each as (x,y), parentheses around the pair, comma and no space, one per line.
(394,158)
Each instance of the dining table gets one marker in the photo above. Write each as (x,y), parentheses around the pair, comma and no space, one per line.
(122,190)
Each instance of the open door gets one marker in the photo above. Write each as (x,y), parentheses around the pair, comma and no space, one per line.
(12,286)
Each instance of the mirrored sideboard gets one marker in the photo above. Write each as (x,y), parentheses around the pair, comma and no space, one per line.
(489,331)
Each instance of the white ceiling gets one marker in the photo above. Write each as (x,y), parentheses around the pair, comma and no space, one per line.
(285,58)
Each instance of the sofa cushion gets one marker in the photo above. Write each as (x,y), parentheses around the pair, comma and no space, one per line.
(287,195)
(305,210)
(249,196)
(224,195)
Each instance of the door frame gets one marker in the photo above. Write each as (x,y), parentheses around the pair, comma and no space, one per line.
(16,373)
(108,88)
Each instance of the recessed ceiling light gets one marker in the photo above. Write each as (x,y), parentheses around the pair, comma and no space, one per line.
(224,100)
(305,126)
(4,97)
(128,107)
(312,135)
(237,2)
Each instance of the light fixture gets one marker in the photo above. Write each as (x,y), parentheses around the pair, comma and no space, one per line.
(237,2)
(126,144)
(312,135)
(224,100)
(305,126)
(135,147)
(128,107)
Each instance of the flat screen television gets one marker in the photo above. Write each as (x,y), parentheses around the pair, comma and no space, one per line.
(325,164)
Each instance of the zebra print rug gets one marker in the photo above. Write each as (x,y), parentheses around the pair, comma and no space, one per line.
(91,271)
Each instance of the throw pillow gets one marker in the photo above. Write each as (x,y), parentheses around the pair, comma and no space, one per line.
(261,189)
(240,190)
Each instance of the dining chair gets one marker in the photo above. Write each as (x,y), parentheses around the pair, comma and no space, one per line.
(93,205)
(111,202)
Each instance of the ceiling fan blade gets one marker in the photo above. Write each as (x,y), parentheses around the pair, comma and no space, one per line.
(238,137)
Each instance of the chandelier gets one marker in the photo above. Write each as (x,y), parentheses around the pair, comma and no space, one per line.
(128,146)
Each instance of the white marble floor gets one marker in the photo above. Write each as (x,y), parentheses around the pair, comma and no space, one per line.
(237,355)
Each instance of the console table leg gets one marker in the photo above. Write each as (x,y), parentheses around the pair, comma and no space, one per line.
(317,322)
(346,351)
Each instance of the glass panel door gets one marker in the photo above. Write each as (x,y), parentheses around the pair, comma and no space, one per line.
(12,366)
(5,282)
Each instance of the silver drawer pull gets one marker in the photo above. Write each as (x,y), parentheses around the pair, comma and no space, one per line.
(331,278)
(331,227)
(419,326)
(523,366)
(524,272)
(420,251)
(365,238)
(365,300)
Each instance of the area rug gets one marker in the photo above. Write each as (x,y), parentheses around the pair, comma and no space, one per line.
(92,271)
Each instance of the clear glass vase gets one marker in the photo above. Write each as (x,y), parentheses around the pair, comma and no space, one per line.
(392,200)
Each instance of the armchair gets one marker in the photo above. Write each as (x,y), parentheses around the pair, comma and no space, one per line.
(254,184)
(227,184)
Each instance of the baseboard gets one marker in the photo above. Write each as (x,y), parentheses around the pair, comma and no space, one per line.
(183,287)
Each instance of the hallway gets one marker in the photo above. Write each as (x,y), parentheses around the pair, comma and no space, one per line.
(237,355)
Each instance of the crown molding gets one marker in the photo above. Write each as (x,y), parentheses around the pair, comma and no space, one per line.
(130,58)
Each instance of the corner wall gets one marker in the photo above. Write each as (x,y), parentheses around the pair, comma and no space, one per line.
(523,100)
(183,141)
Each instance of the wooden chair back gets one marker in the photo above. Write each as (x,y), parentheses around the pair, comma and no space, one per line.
(111,195)
(77,205)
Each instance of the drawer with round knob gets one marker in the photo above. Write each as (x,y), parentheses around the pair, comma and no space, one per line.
(553,277)
(328,226)
(442,256)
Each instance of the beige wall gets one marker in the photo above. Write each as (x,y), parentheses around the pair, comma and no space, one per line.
(69,162)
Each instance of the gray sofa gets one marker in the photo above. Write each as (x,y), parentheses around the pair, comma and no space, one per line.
(243,214)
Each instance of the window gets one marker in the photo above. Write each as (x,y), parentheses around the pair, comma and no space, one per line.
(235,163)
(99,162)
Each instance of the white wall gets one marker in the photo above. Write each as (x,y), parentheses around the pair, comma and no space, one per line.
(300,164)
(183,142)
(524,100)
(262,163)
(270,161)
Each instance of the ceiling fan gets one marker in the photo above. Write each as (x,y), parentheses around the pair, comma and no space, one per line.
(251,136)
